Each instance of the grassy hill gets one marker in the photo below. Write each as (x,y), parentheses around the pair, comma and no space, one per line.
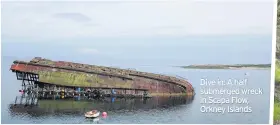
(236,66)
(276,113)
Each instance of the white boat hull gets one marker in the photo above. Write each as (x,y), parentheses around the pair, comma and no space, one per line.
(92,115)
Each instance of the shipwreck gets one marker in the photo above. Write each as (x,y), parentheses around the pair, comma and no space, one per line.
(64,79)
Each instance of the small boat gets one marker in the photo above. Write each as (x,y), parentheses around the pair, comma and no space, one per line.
(92,114)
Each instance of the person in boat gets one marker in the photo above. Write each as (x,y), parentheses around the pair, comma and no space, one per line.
(92,112)
(88,90)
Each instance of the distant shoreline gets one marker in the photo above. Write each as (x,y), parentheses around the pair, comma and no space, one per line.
(234,66)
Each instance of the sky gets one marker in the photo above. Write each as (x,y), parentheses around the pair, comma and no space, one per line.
(174,32)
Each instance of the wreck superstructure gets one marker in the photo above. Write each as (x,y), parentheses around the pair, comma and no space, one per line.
(76,75)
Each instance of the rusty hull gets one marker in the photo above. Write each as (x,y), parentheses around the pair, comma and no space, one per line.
(83,75)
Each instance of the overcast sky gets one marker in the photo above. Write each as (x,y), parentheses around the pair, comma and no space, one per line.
(135,19)
(163,30)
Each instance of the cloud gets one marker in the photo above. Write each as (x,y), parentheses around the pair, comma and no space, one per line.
(73,16)
(88,51)
(135,19)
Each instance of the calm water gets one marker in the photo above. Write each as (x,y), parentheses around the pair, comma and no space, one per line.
(154,110)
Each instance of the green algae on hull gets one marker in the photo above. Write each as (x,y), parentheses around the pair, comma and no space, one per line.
(78,79)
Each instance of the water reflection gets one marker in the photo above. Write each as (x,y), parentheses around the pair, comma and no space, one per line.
(78,106)
(92,120)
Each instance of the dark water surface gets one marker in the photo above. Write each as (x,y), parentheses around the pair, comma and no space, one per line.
(154,110)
